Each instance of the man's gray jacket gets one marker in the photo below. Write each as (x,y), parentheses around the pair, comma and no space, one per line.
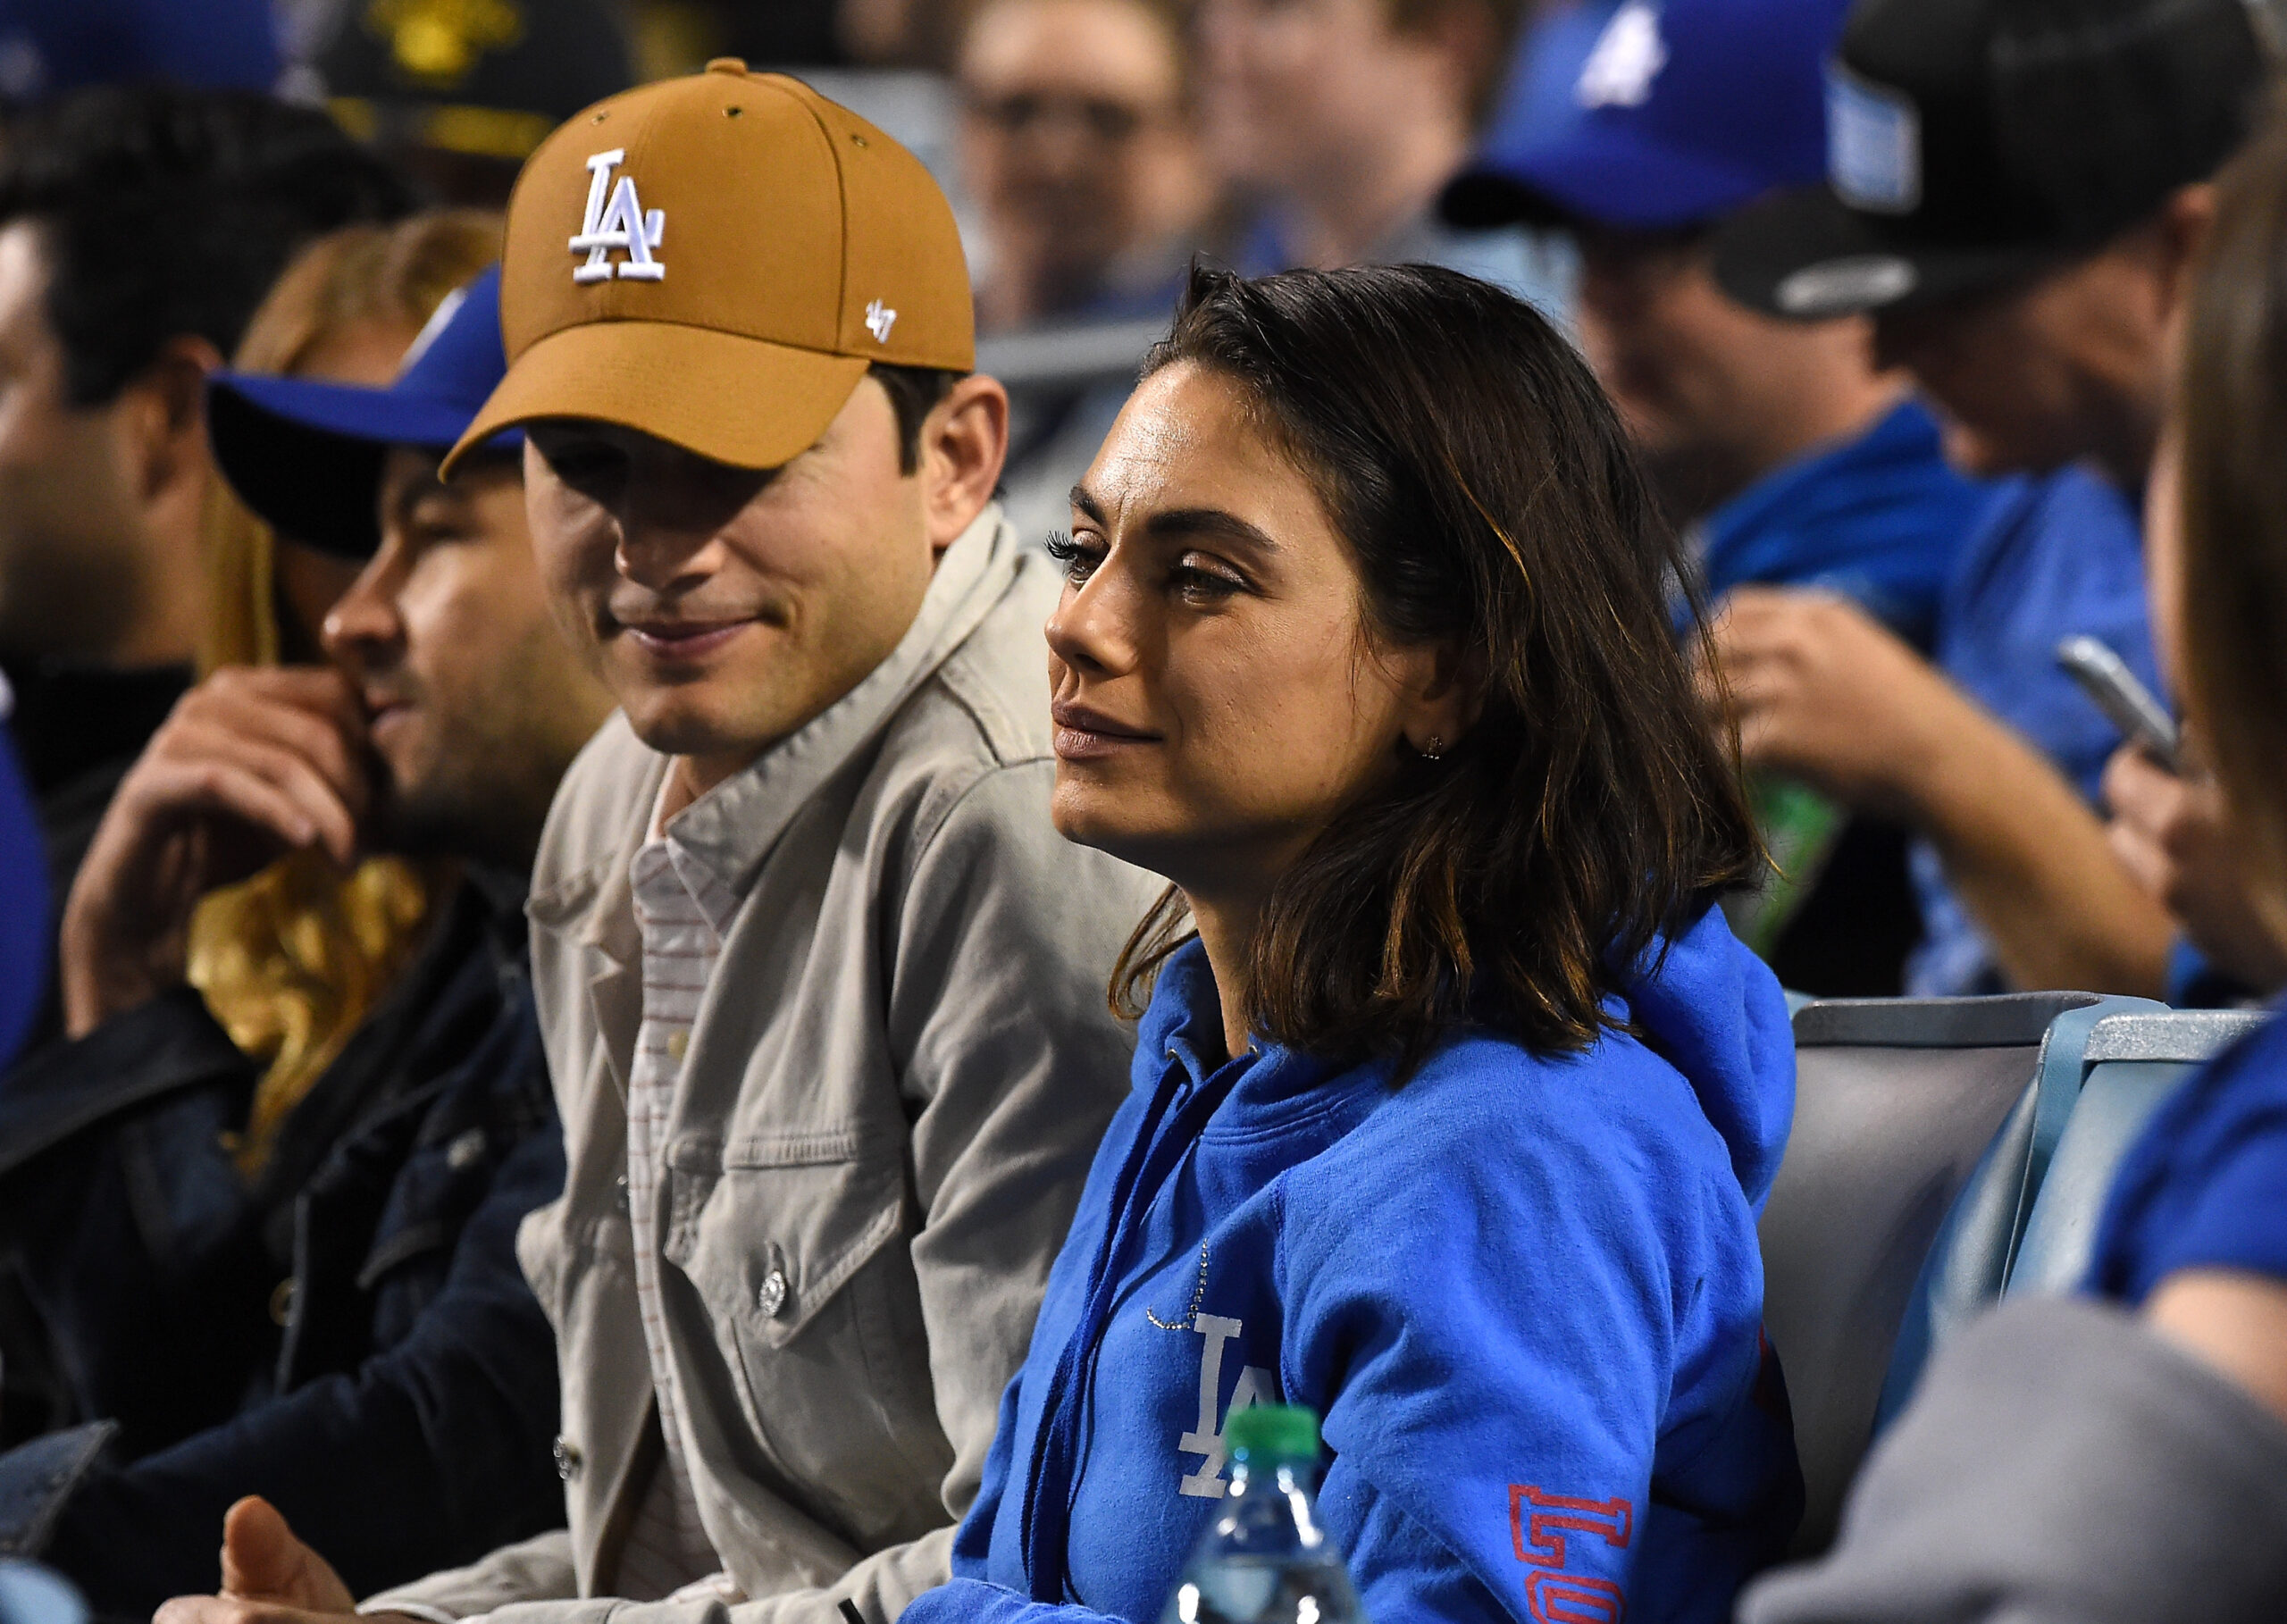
(888,1104)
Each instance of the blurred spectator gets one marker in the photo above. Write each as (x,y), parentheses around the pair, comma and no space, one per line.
(316,1297)
(1789,456)
(1342,119)
(289,960)
(51,47)
(900,33)
(138,230)
(2121,1458)
(2015,190)
(460,93)
(2171,829)
(1078,147)
(674,37)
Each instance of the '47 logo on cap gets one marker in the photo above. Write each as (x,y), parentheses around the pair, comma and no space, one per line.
(616,219)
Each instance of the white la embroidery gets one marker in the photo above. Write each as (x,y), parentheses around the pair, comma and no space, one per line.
(879,319)
(619,224)
(1628,55)
(1256,1386)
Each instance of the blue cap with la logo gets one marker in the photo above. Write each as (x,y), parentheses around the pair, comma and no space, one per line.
(1677,113)
(306,457)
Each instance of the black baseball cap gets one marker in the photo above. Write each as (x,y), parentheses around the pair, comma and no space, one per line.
(486,80)
(1970,142)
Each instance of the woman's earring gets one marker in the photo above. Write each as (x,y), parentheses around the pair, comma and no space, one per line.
(1435,749)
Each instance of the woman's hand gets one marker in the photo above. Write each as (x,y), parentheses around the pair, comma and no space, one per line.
(2173,834)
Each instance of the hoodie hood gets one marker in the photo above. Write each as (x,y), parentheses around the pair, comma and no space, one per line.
(1705,1004)
(1714,1011)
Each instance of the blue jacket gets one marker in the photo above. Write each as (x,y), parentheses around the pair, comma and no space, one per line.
(25,930)
(1880,519)
(1523,1293)
(2057,556)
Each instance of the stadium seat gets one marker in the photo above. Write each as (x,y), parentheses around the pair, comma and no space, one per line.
(1898,1101)
(2132,1064)
(1969,1261)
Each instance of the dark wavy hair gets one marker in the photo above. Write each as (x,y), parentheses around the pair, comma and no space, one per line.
(1490,499)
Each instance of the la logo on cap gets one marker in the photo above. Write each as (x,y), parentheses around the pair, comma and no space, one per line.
(1627,56)
(618,224)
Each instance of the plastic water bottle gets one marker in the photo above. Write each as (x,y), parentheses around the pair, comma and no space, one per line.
(1266,1559)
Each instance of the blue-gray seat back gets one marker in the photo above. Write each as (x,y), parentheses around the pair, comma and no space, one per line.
(2130,1066)
(1975,1248)
(1895,1102)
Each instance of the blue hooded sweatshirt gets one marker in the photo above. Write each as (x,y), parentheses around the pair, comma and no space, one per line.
(1523,1293)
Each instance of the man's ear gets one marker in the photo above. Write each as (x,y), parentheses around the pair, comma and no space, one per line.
(163,413)
(964,442)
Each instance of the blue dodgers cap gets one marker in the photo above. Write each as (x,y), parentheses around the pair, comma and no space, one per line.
(306,457)
(1682,113)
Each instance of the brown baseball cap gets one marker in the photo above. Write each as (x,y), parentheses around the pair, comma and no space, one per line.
(715,260)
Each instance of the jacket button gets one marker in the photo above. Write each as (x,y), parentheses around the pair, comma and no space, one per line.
(568,1458)
(771,1298)
(281,1303)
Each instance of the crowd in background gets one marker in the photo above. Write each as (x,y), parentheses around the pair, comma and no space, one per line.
(1920,389)
(1092,147)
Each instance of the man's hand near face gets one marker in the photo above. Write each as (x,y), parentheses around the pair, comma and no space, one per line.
(252,763)
(2172,832)
(1823,692)
(269,1577)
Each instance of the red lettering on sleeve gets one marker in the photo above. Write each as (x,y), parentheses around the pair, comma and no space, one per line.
(1539,1524)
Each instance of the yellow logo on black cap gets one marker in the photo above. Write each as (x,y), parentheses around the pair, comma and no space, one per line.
(441,41)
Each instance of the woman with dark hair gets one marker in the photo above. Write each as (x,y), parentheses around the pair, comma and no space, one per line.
(1454,1101)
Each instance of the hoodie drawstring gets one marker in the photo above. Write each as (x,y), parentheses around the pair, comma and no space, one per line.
(1151,1160)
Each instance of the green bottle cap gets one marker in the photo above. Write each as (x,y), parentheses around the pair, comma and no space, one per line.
(1272,1432)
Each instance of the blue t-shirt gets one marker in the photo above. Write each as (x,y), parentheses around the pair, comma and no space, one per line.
(1881,519)
(2057,556)
(2206,1185)
(1524,1293)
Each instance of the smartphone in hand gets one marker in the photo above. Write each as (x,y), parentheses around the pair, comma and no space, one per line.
(2105,677)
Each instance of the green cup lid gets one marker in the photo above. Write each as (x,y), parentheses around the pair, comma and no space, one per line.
(1272,1432)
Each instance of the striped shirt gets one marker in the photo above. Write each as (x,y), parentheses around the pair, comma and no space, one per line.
(683,911)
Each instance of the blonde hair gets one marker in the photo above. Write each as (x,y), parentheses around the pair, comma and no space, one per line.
(292,961)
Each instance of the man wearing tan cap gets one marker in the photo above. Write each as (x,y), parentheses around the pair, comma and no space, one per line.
(822,989)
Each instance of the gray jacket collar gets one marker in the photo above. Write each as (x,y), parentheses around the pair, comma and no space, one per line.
(733,826)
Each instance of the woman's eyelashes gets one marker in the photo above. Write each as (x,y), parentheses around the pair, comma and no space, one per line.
(1199,579)
(1078,557)
(1205,581)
